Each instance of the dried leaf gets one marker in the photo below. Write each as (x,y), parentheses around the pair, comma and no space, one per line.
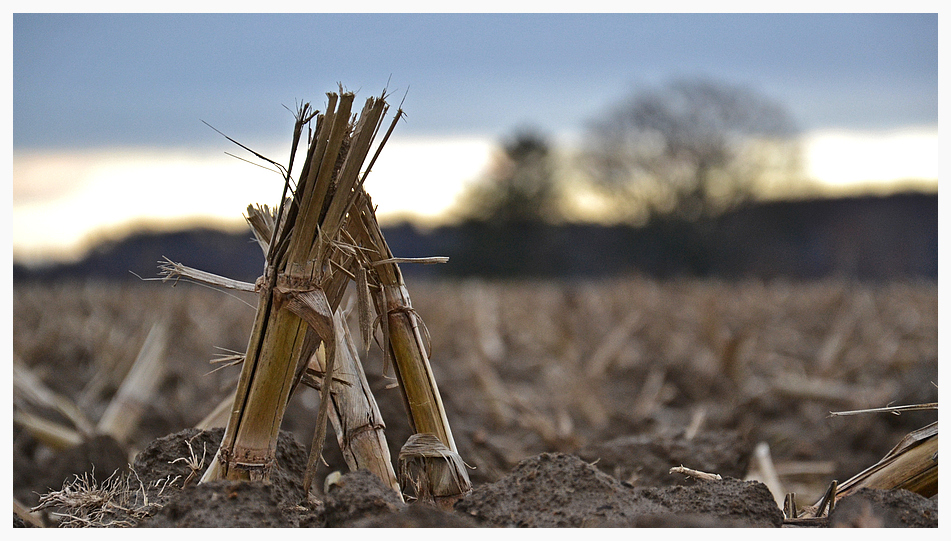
(363,307)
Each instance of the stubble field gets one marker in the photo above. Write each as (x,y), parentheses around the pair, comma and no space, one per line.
(590,388)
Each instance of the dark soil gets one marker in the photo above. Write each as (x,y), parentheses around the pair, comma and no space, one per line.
(646,460)
(560,490)
(549,490)
(868,508)
(563,449)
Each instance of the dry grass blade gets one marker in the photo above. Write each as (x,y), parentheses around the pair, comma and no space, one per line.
(911,465)
(396,118)
(226,361)
(648,399)
(890,409)
(259,156)
(363,308)
(493,389)
(602,358)
(319,307)
(799,386)
(810,515)
(762,469)
(790,510)
(22,511)
(262,222)
(422,260)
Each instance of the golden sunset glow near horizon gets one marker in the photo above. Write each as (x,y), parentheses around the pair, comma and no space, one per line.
(108,193)
(111,192)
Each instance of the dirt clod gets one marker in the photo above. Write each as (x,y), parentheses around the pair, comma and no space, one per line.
(553,490)
(356,495)
(222,504)
(171,457)
(729,502)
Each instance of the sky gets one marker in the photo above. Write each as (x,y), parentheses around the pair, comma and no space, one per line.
(109,111)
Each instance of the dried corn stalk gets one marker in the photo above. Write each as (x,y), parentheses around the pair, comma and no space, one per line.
(406,345)
(120,418)
(431,472)
(911,465)
(29,390)
(354,412)
(355,415)
(294,313)
(405,336)
(139,386)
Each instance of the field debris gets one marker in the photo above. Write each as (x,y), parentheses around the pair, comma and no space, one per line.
(897,410)
(696,474)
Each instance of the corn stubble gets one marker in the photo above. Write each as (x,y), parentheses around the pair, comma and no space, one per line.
(911,465)
(323,235)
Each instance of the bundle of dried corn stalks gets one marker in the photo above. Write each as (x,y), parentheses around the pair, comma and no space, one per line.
(323,235)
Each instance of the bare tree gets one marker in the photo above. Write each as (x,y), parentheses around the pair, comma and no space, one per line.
(520,188)
(694,148)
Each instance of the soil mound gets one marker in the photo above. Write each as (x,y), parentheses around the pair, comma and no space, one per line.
(646,460)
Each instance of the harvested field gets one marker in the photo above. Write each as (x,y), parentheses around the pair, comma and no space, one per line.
(601,385)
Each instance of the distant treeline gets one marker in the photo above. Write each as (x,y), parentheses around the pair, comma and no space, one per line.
(865,238)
